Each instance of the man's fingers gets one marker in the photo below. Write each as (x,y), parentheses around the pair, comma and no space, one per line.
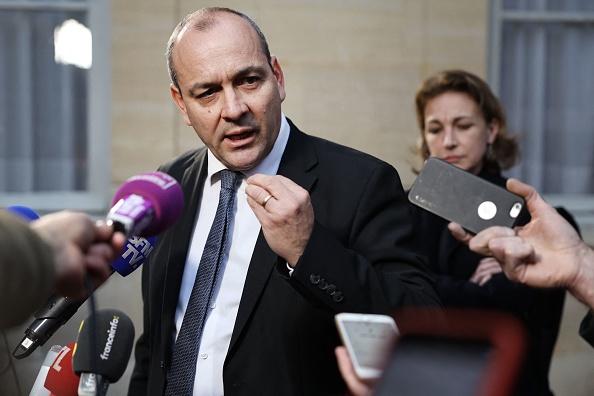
(480,242)
(522,189)
(262,189)
(459,233)
(289,184)
(345,366)
(98,263)
(513,253)
(533,199)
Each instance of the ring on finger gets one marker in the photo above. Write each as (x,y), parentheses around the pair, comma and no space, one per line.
(266,200)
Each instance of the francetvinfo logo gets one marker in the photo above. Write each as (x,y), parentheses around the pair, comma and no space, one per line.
(111,333)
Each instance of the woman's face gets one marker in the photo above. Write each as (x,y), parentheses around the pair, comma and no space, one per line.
(456,131)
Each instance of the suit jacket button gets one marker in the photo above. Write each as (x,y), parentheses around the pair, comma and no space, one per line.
(323,285)
(338,297)
(314,278)
(162,366)
(331,290)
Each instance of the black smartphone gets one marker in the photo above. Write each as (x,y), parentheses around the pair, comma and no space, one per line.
(462,197)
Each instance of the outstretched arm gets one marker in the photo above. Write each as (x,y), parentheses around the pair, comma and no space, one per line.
(56,252)
(546,252)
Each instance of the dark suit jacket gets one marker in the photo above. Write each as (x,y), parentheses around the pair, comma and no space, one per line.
(452,264)
(362,257)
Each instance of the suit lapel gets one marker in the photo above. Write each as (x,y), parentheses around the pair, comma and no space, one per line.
(191,182)
(299,157)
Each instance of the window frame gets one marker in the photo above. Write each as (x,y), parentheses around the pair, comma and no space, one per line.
(97,196)
(581,206)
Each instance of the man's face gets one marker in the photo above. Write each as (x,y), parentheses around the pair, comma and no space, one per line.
(229,94)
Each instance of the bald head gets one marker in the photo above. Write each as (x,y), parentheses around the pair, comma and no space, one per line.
(202,21)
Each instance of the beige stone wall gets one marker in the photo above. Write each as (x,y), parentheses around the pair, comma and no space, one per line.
(351,68)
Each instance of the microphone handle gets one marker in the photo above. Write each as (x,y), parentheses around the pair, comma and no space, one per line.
(92,384)
(56,311)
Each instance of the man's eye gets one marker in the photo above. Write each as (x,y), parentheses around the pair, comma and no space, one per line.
(206,93)
(250,80)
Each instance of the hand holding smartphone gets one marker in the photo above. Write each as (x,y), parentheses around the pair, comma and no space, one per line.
(462,197)
(368,339)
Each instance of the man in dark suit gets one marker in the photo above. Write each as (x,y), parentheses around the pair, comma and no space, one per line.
(317,229)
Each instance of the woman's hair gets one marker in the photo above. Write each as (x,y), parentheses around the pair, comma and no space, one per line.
(504,152)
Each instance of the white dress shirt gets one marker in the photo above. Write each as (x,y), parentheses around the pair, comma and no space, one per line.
(243,230)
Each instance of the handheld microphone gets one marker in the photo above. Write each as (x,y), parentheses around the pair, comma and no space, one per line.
(61,379)
(103,348)
(23,212)
(38,389)
(57,309)
(146,204)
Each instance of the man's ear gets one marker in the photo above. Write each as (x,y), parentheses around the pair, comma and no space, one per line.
(280,78)
(179,101)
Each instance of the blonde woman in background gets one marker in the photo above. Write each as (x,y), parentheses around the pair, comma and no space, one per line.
(462,122)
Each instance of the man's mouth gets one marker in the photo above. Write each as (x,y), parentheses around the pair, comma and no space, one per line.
(240,136)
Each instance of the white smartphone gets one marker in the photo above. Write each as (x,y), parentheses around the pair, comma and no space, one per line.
(368,339)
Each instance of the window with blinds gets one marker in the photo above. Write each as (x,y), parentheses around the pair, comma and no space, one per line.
(542,67)
(54,104)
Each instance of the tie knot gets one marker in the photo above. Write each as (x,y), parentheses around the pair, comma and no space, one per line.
(228,179)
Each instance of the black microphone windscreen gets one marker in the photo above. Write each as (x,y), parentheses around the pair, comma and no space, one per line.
(111,335)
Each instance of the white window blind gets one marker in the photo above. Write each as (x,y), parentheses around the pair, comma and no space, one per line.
(542,68)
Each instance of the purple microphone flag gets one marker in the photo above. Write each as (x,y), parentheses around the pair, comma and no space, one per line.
(147,204)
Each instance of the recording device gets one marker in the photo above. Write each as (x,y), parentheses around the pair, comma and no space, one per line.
(462,197)
(146,204)
(368,338)
(57,309)
(38,389)
(143,206)
(103,348)
(61,379)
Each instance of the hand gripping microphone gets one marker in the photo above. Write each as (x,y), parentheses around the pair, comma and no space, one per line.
(144,205)
(57,310)
(61,379)
(103,348)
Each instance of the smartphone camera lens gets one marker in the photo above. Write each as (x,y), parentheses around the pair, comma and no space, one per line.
(515,210)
